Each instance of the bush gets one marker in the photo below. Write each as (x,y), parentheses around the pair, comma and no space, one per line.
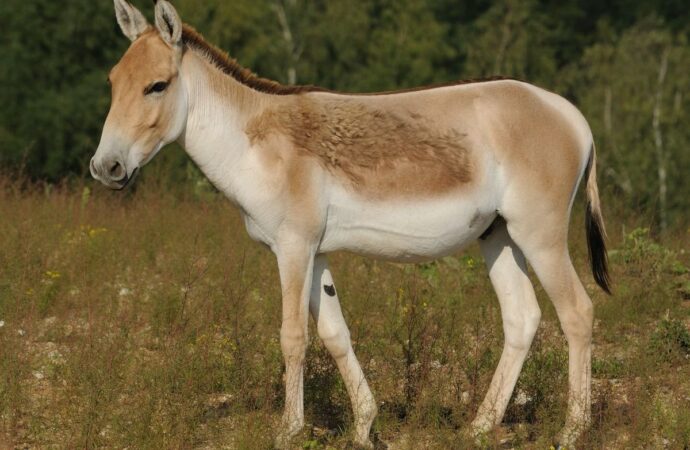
(670,342)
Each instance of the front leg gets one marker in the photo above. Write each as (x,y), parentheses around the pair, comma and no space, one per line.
(295,264)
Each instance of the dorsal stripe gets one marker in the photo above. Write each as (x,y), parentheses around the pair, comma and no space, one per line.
(194,40)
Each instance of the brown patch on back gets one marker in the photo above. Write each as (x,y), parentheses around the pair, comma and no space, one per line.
(375,150)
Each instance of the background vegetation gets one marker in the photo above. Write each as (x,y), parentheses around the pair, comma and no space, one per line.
(624,63)
(147,319)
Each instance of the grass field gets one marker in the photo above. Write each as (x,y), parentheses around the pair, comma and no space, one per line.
(149,320)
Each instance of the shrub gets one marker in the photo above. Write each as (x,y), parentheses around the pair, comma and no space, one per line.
(670,342)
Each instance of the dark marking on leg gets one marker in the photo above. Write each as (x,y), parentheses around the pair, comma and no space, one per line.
(329,289)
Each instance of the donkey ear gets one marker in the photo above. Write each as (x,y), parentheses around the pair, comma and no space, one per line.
(168,22)
(131,20)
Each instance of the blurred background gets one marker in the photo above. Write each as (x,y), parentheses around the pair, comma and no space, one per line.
(625,63)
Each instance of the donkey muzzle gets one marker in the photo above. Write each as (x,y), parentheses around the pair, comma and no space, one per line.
(112,173)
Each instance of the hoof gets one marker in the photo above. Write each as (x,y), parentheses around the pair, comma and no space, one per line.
(281,443)
(375,444)
(480,437)
(284,438)
(352,445)
(479,430)
(378,443)
(567,438)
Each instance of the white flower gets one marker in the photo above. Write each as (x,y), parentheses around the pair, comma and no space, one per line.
(2,323)
(521,398)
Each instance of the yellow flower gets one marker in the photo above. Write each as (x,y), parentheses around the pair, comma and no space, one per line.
(93,232)
(53,275)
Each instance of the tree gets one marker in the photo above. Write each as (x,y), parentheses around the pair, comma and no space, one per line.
(54,92)
(633,92)
(406,47)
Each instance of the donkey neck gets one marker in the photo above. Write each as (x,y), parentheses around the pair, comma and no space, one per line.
(219,108)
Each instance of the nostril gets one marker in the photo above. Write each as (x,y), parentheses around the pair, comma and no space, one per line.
(93,167)
(116,171)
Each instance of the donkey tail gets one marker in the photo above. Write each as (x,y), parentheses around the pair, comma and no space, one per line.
(594,222)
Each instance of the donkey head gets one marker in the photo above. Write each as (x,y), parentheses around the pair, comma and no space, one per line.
(149,102)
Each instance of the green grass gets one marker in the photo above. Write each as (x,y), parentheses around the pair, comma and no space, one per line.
(149,320)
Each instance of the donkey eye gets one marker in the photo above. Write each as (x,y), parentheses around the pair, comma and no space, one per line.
(159,86)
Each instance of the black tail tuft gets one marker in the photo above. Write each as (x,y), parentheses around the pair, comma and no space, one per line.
(597,250)
(594,222)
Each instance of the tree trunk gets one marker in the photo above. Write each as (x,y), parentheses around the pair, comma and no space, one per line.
(659,142)
(506,36)
(288,36)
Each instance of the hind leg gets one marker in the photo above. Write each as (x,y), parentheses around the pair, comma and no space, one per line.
(521,315)
(543,239)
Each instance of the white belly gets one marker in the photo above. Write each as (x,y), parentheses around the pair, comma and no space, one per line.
(406,230)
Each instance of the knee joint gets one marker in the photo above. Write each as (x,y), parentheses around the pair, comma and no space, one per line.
(578,323)
(336,340)
(520,331)
(293,340)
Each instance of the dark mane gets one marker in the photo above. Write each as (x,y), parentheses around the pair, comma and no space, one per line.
(230,66)
(194,40)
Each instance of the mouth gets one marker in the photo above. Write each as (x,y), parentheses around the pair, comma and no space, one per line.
(127,180)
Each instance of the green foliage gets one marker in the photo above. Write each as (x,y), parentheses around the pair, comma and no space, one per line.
(606,57)
(639,249)
(670,342)
(607,368)
(651,270)
(512,38)
(54,59)
(617,85)
(542,382)
(640,253)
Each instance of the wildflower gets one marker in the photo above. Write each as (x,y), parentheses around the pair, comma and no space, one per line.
(93,232)
(53,275)
(124,292)
(2,323)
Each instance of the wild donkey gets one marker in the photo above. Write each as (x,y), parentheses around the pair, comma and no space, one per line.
(407,176)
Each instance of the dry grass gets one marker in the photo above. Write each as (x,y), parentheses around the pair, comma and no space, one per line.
(149,320)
